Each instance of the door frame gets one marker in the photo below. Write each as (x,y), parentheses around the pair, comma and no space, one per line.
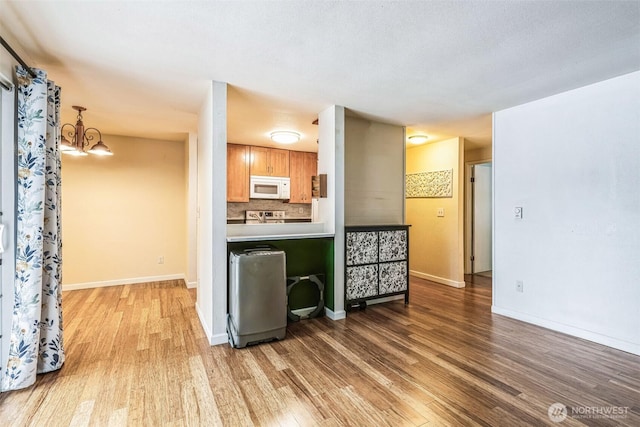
(468,212)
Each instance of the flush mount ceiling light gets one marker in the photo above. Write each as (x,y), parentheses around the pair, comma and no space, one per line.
(80,138)
(418,139)
(285,136)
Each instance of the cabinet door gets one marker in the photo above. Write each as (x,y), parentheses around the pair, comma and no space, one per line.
(279,162)
(296,173)
(303,167)
(237,173)
(259,161)
(310,170)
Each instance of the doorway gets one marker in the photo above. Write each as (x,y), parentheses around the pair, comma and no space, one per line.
(478,247)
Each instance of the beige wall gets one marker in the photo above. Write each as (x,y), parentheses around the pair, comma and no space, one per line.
(478,154)
(374,173)
(121,213)
(436,243)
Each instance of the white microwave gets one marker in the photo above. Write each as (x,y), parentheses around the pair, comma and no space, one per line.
(270,187)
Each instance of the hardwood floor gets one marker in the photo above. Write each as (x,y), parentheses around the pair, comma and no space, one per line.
(137,355)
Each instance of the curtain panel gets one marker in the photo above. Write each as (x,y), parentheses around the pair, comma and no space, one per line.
(36,343)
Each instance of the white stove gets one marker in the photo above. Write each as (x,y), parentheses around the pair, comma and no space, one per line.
(264,217)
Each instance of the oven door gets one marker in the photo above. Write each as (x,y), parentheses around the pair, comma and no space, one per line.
(264,188)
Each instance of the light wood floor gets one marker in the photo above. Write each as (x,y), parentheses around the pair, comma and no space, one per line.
(136,355)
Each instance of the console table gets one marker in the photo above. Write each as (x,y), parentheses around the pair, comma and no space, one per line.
(376,263)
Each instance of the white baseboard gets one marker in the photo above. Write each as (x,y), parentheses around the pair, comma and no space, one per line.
(570,330)
(219,339)
(118,282)
(191,285)
(437,279)
(205,327)
(335,315)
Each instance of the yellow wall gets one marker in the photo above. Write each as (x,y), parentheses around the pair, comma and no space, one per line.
(478,154)
(121,213)
(436,243)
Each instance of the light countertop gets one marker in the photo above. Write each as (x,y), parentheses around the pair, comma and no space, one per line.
(287,231)
(231,239)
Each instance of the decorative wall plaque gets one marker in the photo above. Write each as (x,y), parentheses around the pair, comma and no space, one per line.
(430,184)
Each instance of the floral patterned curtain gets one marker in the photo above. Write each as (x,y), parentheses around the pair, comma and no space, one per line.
(36,344)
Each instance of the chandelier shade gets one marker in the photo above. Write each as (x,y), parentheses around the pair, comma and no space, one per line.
(80,137)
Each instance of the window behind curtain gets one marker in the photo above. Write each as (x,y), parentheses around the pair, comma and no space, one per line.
(7,207)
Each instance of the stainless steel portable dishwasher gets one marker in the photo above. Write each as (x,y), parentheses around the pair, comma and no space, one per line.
(257,296)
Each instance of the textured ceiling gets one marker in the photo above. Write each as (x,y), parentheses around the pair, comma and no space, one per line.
(437,67)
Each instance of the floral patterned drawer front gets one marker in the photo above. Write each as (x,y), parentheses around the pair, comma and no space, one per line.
(362,281)
(393,245)
(393,277)
(362,247)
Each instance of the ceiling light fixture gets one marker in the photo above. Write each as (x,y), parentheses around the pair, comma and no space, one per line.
(418,139)
(79,138)
(285,136)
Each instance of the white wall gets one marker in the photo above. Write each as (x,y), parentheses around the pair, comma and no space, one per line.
(572,161)
(7,62)
(211,304)
(331,131)
(331,123)
(191,159)
(374,173)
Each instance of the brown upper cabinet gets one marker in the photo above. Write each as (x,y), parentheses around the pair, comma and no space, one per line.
(238,173)
(304,166)
(269,161)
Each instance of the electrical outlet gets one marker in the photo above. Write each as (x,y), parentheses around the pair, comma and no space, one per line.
(161,260)
(300,210)
(517,211)
(519,286)
(440,212)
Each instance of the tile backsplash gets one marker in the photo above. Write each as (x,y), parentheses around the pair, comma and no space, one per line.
(292,210)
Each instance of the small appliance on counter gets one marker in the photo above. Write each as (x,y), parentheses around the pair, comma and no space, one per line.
(264,217)
(257,296)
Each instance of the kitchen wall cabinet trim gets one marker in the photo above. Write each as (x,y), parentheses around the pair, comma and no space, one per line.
(376,263)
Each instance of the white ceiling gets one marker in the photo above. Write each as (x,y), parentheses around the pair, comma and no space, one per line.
(438,67)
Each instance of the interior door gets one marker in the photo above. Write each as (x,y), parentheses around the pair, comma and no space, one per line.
(482,214)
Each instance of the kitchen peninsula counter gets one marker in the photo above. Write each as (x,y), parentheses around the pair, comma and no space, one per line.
(288,231)
(308,248)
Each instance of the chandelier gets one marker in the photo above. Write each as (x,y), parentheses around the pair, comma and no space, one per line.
(80,138)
